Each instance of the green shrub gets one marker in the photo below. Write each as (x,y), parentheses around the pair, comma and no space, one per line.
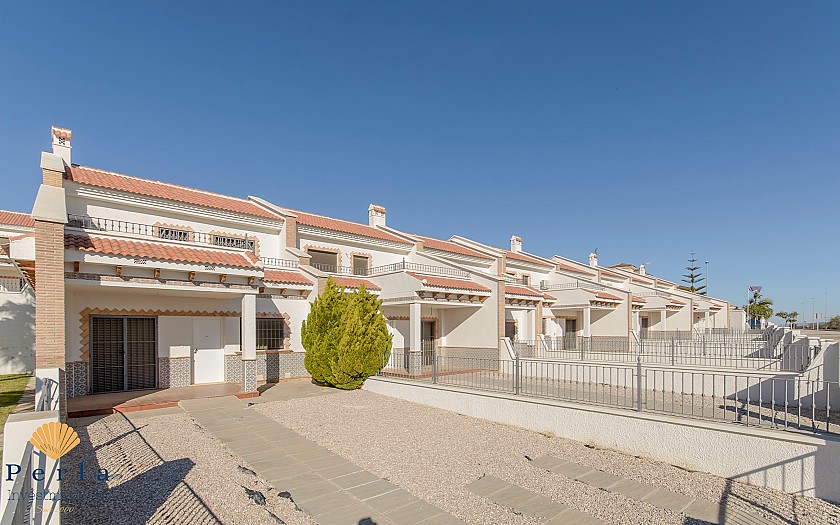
(345,337)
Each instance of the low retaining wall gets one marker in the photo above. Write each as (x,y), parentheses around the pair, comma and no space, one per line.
(793,463)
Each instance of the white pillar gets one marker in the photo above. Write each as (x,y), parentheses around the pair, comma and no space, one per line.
(414,330)
(637,324)
(248,343)
(664,320)
(587,322)
(708,326)
(249,327)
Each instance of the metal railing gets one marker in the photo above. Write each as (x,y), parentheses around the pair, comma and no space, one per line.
(160,232)
(785,402)
(12,284)
(794,356)
(420,268)
(18,511)
(571,286)
(341,270)
(271,262)
(524,280)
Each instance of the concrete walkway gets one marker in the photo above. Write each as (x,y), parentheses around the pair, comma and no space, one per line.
(700,509)
(331,489)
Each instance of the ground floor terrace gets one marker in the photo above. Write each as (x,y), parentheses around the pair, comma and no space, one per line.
(307,460)
(124,338)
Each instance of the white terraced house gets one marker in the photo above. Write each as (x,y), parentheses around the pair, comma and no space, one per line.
(145,284)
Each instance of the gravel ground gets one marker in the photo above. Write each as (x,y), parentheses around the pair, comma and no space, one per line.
(165,469)
(434,454)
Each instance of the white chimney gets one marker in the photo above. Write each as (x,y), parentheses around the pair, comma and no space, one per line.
(642,269)
(593,259)
(515,244)
(61,143)
(376,215)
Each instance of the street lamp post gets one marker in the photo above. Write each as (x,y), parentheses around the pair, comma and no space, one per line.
(707,279)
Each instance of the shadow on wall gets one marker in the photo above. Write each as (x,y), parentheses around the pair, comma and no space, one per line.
(824,463)
(17,332)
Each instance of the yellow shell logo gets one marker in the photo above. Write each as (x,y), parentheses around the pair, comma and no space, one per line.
(54,439)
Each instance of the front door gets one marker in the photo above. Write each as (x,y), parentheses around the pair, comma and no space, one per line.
(208,351)
(427,337)
(571,327)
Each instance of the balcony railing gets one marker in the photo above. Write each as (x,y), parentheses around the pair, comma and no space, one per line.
(159,232)
(270,262)
(12,284)
(341,270)
(571,286)
(420,268)
(524,280)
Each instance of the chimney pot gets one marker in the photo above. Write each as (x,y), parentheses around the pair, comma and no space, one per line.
(642,269)
(376,215)
(61,143)
(593,259)
(515,244)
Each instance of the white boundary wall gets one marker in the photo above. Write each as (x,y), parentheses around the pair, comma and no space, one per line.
(794,463)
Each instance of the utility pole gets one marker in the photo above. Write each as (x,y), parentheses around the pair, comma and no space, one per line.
(708,294)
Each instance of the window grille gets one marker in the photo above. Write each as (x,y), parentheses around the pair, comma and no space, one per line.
(171,234)
(271,334)
(234,242)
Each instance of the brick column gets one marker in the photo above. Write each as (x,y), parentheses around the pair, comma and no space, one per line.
(50,215)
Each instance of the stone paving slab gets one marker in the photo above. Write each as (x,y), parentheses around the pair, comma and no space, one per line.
(690,506)
(529,503)
(325,485)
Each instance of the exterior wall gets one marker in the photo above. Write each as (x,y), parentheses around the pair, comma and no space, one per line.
(296,309)
(613,322)
(271,242)
(379,255)
(17,332)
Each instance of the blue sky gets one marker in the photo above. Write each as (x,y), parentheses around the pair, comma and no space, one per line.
(646,130)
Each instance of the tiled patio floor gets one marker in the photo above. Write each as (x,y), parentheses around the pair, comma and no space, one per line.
(113,402)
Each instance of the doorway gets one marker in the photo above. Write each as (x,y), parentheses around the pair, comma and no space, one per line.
(123,353)
(208,359)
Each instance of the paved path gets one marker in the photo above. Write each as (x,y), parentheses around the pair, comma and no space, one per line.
(529,503)
(329,488)
(692,507)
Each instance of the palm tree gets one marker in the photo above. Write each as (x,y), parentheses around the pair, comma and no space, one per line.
(789,317)
(760,307)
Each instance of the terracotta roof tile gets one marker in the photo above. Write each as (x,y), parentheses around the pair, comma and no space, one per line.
(352,282)
(451,247)
(639,299)
(339,225)
(165,190)
(674,301)
(62,133)
(602,295)
(150,250)
(526,258)
(446,282)
(15,218)
(280,276)
(523,290)
(570,268)
(378,208)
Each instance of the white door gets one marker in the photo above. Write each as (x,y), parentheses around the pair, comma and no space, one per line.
(208,351)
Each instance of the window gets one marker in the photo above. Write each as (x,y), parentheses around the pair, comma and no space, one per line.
(360,265)
(271,334)
(324,261)
(234,242)
(526,279)
(171,234)
(510,330)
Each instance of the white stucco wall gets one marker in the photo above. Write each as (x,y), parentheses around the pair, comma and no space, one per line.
(17,332)
(797,464)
